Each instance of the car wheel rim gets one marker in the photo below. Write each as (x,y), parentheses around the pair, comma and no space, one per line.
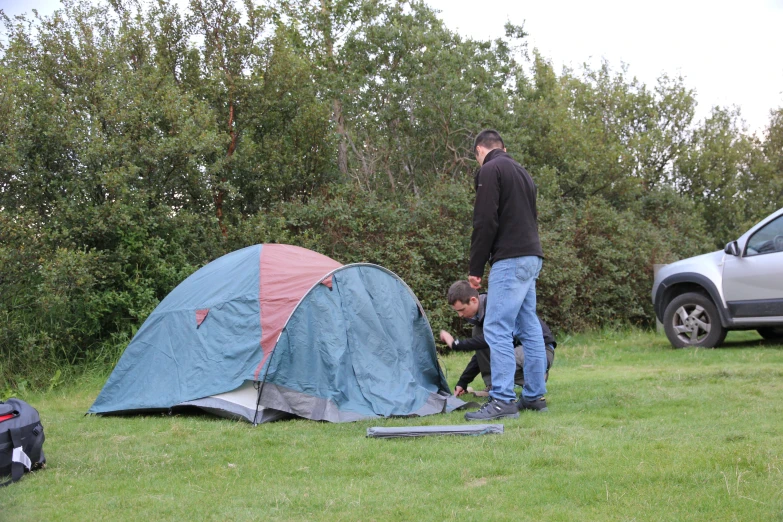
(691,323)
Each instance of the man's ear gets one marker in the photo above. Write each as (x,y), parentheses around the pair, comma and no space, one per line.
(473,300)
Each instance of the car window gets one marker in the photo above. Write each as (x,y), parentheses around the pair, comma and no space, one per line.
(767,240)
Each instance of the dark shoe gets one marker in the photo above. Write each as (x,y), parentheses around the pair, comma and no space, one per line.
(494,409)
(536,405)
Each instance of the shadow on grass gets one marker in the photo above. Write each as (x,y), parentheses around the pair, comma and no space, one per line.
(184,412)
(752,343)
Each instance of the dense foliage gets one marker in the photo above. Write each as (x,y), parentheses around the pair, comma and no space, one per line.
(138,142)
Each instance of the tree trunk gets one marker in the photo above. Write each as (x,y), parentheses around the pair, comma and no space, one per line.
(342,147)
(337,106)
(220,193)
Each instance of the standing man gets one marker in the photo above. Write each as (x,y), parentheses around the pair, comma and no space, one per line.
(505,234)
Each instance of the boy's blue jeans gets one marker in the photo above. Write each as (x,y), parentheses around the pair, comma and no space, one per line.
(511,312)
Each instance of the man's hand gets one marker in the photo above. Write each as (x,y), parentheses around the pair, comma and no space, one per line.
(458,391)
(475,282)
(446,337)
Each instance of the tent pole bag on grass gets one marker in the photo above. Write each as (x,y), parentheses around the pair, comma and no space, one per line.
(21,440)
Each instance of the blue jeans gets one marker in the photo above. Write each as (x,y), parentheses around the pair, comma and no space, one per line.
(511,312)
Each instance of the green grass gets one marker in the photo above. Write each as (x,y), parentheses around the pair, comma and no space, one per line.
(637,431)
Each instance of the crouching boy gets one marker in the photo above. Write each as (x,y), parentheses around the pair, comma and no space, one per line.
(470,306)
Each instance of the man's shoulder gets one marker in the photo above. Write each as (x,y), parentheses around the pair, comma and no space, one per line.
(495,168)
(502,163)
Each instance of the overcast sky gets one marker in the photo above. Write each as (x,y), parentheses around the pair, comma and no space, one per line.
(729,52)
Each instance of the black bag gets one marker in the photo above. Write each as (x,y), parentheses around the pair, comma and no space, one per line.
(21,440)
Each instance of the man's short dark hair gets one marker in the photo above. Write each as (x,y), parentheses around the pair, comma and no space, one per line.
(489,139)
(461,291)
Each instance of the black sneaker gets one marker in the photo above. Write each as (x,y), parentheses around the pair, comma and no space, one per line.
(536,405)
(494,409)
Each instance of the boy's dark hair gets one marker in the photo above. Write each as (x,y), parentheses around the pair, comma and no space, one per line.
(490,139)
(461,291)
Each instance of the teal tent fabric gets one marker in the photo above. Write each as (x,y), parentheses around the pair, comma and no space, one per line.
(170,360)
(364,346)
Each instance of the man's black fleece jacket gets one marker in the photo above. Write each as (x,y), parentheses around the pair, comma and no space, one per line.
(505,219)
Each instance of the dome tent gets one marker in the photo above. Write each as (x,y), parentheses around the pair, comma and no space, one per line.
(276,330)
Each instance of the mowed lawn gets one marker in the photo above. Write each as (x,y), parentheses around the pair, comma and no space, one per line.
(637,431)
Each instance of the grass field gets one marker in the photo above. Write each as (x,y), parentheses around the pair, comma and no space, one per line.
(637,431)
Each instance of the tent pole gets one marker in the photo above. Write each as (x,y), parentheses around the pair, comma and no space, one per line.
(261,388)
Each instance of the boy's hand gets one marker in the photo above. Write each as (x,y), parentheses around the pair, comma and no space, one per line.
(446,337)
(475,282)
(458,391)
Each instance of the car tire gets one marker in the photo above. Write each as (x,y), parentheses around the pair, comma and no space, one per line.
(771,333)
(691,321)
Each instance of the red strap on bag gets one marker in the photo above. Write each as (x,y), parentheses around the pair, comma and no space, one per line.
(6,417)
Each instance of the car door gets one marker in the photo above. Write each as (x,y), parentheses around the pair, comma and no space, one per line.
(753,281)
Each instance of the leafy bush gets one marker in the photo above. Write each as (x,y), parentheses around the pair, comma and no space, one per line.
(598,267)
(599,261)
(139,142)
(77,294)
(67,301)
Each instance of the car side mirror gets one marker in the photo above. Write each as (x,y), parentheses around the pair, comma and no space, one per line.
(732,248)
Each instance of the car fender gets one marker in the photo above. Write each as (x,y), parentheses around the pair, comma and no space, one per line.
(691,278)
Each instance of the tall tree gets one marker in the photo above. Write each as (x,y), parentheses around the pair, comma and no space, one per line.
(714,170)
(602,133)
(408,94)
(773,155)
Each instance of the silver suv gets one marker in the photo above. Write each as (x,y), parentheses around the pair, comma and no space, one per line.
(739,288)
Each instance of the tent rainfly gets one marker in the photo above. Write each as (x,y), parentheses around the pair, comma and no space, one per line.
(272,331)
